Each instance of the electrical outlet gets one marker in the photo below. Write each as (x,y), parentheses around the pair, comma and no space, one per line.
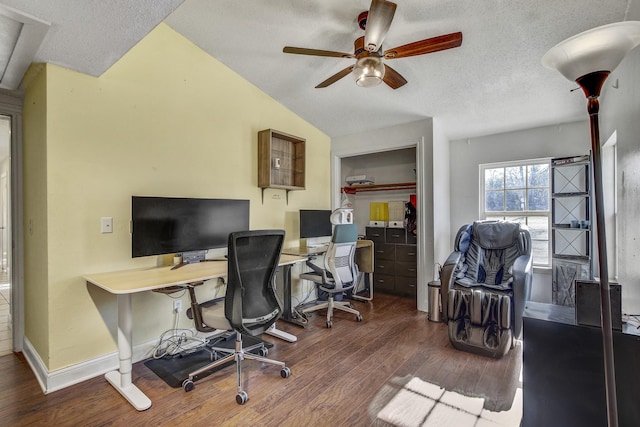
(106,225)
(177,306)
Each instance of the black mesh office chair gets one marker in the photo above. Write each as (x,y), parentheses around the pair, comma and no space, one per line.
(340,273)
(250,305)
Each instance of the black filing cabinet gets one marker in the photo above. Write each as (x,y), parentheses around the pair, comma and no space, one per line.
(395,256)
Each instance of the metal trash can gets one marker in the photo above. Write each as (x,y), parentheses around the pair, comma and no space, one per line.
(433,295)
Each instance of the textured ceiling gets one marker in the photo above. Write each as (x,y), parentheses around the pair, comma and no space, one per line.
(493,83)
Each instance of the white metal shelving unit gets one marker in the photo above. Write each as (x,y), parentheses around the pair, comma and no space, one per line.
(571,226)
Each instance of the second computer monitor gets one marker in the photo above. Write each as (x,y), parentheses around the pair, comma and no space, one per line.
(315,226)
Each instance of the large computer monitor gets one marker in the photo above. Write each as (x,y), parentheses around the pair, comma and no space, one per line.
(315,226)
(168,225)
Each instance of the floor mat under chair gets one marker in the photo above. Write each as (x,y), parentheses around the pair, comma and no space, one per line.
(173,370)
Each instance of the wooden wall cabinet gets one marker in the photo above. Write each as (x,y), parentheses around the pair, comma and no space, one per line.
(281,161)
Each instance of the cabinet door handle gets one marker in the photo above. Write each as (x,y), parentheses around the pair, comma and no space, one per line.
(411,253)
(411,269)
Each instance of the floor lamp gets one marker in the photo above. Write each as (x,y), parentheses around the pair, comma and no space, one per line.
(588,58)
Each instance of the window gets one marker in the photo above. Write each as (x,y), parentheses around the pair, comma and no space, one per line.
(519,191)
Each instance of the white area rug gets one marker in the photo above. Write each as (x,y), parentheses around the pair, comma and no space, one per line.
(422,404)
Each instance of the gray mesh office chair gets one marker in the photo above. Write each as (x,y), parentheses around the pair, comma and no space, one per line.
(340,273)
(250,305)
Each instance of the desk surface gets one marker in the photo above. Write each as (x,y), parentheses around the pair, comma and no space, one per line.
(305,250)
(150,278)
(566,315)
(316,250)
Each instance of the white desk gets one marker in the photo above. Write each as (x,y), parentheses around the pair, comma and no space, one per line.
(125,283)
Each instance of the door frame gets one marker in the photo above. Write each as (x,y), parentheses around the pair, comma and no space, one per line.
(11,103)
(421,167)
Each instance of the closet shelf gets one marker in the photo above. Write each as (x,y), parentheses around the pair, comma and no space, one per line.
(353,189)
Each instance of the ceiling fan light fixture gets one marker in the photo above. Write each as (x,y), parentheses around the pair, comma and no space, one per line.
(369,71)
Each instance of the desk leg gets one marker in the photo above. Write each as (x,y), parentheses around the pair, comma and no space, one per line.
(370,297)
(286,281)
(274,331)
(121,379)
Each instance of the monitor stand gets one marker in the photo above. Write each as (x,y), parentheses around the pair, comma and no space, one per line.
(191,257)
(317,242)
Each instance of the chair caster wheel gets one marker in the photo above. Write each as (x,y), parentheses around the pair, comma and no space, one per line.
(188,385)
(358,318)
(263,351)
(329,324)
(242,397)
(285,372)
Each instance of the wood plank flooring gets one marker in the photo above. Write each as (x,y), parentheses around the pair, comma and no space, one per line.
(341,376)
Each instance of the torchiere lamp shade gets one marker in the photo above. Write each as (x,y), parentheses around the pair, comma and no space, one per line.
(598,49)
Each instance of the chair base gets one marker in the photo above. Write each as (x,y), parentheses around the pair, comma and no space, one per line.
(331,305)
(238,355)
(474,339)
(480,322)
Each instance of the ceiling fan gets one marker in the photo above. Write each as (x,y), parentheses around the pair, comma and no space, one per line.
(369,70)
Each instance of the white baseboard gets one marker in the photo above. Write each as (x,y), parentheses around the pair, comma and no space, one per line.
(65,377)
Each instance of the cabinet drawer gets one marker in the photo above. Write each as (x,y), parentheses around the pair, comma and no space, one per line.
(412,239)
(385,266)
(375,233)
(406,253)
(406,269)
(384,251)
(383,282)
(406,286)
(396,235)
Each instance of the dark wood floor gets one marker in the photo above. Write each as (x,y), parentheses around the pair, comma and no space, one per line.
(340,377)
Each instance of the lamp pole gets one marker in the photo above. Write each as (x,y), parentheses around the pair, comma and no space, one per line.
(588,58)
(591,84)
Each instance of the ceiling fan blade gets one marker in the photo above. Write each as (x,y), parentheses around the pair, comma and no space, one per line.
(337,76)
(393,78)
(316,52)
(421,47)
(378,22)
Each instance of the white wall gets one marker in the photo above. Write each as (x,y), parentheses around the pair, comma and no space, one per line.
(466,155)
(620,112)
(441,194)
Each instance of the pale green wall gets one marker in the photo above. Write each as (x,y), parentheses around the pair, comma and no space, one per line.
(167,120)
(34,171)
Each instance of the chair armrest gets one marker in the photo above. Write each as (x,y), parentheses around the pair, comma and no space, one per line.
(446,281)
(317,270)
(522,278)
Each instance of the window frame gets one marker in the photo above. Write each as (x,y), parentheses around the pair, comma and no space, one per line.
(483,214)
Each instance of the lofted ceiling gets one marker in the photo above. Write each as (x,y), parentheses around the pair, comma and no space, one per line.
(493,83)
